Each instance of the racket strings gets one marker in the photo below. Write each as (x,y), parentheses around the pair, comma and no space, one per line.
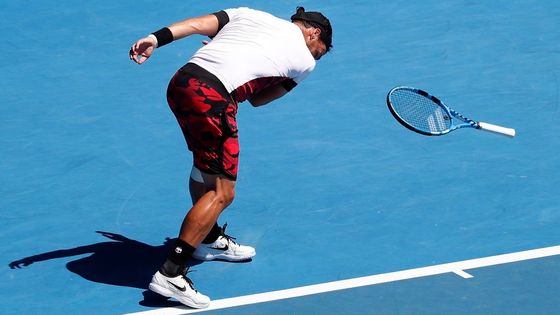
(420,112)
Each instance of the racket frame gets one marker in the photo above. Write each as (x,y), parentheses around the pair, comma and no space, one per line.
(466,122)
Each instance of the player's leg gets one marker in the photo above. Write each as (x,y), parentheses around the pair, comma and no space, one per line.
(170,280)
(197,188)
(200,110)
(204,213)
(215,148)
(216,244)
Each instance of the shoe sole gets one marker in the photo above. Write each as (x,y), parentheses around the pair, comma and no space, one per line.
(211,257)
(170,294)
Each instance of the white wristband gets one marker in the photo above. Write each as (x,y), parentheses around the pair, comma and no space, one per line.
(152,36)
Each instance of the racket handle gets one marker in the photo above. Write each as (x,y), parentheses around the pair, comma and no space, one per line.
(510,132)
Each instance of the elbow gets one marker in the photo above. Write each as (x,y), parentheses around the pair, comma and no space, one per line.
(256,102)
(253,102)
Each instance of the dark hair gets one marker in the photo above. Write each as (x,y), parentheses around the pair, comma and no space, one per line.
(317,20)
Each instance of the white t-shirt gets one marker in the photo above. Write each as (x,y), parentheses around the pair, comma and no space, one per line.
(255,50)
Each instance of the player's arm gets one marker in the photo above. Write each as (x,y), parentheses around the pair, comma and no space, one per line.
(268,95)
(272,93)
(203,25)
(208,25)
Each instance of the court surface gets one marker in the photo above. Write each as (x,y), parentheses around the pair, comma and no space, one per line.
(350,212)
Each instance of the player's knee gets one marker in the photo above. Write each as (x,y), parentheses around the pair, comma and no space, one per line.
(227,195)
(225,199)
(225,192)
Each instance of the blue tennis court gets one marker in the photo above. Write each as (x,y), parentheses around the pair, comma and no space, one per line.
(350,212)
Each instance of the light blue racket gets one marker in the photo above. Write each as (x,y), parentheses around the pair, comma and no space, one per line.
(421,112)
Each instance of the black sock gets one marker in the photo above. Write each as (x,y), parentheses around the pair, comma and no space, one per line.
(213,235)
(177,259)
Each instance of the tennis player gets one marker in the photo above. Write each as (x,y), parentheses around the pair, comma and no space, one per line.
(252,56)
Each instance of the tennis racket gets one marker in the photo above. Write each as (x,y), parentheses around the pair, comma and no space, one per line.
(421,112)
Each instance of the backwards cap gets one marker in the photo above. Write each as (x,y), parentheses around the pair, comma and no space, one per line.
(318,20)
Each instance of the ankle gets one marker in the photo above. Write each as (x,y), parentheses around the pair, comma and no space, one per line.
(213,235)
(171,269)
(177,259)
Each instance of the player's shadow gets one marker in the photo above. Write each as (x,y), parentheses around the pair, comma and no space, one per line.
(121,261)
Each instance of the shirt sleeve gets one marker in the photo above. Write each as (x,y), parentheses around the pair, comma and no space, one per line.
(224,16)
(223,19)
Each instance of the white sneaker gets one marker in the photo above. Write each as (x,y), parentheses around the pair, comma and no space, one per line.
(224,248)
(181,288)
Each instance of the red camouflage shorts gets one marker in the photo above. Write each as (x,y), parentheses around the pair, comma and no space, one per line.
(206,114)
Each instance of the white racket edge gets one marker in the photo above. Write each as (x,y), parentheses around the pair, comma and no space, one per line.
(510,132)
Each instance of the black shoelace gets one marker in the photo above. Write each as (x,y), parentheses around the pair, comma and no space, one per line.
(227,237)
(189,281)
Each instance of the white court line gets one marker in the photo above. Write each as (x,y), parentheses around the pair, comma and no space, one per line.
(455,267)
(463,274)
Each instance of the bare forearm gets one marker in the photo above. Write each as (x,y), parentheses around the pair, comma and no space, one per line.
(202,25)
(268,95)
(144,47)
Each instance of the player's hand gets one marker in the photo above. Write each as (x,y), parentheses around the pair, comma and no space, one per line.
(142,50)
(20,263)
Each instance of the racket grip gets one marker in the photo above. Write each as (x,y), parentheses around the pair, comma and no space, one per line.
(510,132)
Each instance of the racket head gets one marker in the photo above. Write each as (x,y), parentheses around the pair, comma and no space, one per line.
(419,111)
